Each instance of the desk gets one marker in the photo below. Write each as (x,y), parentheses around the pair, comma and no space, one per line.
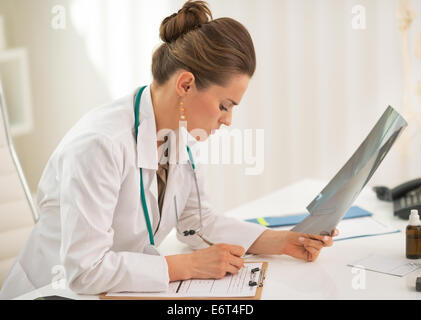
(328,277)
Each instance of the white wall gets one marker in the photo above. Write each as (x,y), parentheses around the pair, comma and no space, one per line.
(319,88)
(63,80)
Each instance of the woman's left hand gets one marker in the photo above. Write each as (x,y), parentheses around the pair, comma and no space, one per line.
(305,246)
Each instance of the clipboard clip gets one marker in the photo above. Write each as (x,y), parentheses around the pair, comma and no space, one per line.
(259,283)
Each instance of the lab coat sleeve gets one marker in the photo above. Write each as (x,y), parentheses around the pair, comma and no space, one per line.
(89,181)
(216,227)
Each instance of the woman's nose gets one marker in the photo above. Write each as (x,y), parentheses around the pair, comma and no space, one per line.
(226,119)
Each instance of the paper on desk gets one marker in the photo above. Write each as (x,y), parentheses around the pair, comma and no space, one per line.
(394,266)
(363,227)
(359,227)
(230,286)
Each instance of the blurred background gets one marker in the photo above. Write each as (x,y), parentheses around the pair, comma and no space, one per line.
(326,71)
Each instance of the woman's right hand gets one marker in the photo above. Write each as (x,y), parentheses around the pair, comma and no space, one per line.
(210,263)
(216,261)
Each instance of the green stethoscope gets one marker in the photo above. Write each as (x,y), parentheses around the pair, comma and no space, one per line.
(142,189)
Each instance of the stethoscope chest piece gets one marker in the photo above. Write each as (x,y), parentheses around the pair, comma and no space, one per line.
(150,249)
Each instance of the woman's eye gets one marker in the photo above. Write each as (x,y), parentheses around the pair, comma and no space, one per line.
(222,108)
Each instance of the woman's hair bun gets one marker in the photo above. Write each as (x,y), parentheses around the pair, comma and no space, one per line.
(192,15)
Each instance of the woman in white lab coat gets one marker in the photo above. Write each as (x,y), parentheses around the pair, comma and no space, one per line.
(107,198)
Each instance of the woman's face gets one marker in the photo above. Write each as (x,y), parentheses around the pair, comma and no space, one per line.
(207,110)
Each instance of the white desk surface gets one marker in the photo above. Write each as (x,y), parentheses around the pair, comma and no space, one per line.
(328,277)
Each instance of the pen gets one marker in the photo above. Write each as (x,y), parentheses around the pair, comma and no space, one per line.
(206,241)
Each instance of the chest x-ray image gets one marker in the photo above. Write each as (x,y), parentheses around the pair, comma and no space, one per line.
(330,206)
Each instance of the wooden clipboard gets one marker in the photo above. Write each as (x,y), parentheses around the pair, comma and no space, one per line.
(257,296)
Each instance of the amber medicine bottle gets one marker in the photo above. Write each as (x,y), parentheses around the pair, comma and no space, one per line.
(413,236)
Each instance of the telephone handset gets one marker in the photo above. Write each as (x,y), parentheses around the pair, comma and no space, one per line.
(405,197)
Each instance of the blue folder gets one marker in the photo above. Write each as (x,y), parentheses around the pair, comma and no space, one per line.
(290,220)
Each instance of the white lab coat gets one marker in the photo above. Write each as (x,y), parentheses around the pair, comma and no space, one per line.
(92,227)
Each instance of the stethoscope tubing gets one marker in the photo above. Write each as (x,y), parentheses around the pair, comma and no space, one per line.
(142,189)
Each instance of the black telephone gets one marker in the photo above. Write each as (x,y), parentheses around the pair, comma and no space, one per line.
(405,197)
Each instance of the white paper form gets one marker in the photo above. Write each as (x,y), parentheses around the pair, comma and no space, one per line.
(394,266)
(358,227)
(362,227)
(230,286)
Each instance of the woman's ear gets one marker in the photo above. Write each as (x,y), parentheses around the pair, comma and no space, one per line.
(185,83)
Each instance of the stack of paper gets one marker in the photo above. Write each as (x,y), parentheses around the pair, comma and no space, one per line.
(291,220)
(356,223)
(357,228)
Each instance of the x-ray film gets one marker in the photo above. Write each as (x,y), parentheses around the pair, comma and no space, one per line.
(330,206)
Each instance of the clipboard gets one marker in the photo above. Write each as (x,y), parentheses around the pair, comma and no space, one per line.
(257,296)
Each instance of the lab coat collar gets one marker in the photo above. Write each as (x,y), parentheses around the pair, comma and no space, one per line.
(184,139)
(147,150)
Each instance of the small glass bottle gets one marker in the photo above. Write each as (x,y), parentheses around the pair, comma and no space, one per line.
(413,236)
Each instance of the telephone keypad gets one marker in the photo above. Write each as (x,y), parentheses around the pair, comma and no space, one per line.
(412,200)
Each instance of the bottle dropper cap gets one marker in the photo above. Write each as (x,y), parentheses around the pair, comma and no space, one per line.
(414,218)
